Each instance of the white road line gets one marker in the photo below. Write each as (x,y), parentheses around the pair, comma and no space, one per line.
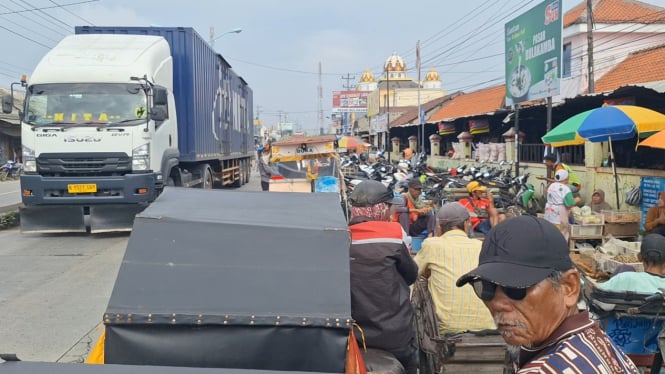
(7,193)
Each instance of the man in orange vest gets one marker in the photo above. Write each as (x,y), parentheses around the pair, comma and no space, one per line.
(480,205)
(415,216)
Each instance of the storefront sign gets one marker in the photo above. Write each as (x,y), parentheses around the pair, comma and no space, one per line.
(533,53)
(479,126)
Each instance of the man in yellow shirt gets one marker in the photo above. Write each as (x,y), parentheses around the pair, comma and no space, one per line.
(446,258)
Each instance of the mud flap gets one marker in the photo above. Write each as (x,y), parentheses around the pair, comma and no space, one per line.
(113,217)
(52,219)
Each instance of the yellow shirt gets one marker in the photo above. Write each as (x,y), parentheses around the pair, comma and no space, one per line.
(448,257)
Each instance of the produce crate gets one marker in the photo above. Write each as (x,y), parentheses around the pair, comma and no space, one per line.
(608,264)
(621,229)
(593,219)
(586,231)
(620,216)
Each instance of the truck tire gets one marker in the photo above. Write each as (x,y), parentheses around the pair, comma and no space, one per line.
(206,174)
(248,170)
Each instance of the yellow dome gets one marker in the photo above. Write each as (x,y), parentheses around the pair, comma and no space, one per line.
(367,77)
(432,75)
(394,63)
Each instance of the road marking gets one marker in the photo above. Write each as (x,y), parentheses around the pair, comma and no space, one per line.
(7,193)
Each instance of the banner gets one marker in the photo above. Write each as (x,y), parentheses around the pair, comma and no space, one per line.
(446,128)
(533,53)
(349,101)
(479,126)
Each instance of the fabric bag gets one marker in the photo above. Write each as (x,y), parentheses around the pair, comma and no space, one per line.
(634,196)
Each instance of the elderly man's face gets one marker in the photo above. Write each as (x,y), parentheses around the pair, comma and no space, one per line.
(528,322)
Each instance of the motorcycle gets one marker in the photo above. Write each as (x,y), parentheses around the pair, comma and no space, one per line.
(11,169)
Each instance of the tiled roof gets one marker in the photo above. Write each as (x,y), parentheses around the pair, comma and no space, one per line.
(485,100)
(632,70)
(616,11)
(411,114)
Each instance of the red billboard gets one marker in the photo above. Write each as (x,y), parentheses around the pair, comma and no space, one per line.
(349,101)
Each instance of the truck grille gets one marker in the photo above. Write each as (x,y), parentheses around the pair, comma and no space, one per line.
(108,164)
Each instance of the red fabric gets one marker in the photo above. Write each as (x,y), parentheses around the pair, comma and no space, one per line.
(376,229)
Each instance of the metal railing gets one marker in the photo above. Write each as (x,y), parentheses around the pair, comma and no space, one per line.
(572,154)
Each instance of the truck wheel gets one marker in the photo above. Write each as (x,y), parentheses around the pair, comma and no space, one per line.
(243,176)
(248,170)
(205,174)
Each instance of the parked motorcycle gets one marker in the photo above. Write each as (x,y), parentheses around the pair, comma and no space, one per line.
(11,169)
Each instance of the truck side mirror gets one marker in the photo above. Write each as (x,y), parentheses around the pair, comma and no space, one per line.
(159,96)
(159,113)
(7,104)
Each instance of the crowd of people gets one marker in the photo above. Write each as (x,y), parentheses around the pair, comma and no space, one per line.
(518,280)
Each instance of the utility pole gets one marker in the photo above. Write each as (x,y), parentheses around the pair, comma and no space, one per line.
(345,116)
(589,38)
(320,92)
(348,79)
(212,37)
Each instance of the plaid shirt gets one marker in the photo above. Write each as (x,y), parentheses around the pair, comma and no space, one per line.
(578,346)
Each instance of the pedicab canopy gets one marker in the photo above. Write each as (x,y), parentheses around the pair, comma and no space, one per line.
(231,279)
(22,367)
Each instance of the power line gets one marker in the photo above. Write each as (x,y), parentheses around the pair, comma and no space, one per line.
(41,14)
(72,13)
(49,7)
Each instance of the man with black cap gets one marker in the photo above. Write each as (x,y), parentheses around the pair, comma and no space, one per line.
(445,258)
(527,280)
(413,214)
(381,272)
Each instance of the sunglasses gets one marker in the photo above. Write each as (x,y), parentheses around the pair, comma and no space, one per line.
(485,290)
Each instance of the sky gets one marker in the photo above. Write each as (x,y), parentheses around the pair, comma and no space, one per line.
(282,42)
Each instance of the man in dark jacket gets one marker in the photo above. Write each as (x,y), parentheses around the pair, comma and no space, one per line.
(381,271)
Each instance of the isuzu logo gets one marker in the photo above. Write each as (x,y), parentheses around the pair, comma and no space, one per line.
(83,139)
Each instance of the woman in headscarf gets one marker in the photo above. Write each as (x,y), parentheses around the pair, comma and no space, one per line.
(655,221)
(598,202)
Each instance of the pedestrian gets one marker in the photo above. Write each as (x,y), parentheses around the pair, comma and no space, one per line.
(414,214)
(265,170)
(445,258)
(654,223)
(552,162)
(381,272)
(559,202)
(528,282)
(480,205)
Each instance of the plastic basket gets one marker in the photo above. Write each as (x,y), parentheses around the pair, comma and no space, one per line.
(609,265)
(620,216)
(593,219)
(582,231)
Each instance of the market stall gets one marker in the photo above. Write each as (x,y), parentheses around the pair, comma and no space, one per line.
(601,226)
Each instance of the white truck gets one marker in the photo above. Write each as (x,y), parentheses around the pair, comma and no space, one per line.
(114,114)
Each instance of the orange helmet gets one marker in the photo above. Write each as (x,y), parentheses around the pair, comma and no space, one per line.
(408,153)
(475,186)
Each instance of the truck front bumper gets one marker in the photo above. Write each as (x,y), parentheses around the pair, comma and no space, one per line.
(126,189)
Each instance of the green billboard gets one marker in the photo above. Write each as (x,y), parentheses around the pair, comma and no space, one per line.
(533,53)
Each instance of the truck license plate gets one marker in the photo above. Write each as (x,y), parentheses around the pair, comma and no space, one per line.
(82,188)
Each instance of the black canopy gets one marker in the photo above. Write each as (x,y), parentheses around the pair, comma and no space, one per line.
(21,367)
(234,279)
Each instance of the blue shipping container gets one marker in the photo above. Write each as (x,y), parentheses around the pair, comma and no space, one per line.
(214,105)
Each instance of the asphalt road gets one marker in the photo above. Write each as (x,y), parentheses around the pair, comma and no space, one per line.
(10,195)
(55,288)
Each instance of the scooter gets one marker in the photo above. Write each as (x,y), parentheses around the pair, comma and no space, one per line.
(11,169)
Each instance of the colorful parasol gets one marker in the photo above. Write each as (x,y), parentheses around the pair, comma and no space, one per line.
(604,124)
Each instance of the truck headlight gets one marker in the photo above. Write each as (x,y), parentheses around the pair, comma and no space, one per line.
(141,158)
(29,162)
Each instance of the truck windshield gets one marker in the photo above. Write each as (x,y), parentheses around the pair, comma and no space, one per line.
(85,104)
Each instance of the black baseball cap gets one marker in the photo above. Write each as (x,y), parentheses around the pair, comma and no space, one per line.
(371,192)
(653,246)
(520,252)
